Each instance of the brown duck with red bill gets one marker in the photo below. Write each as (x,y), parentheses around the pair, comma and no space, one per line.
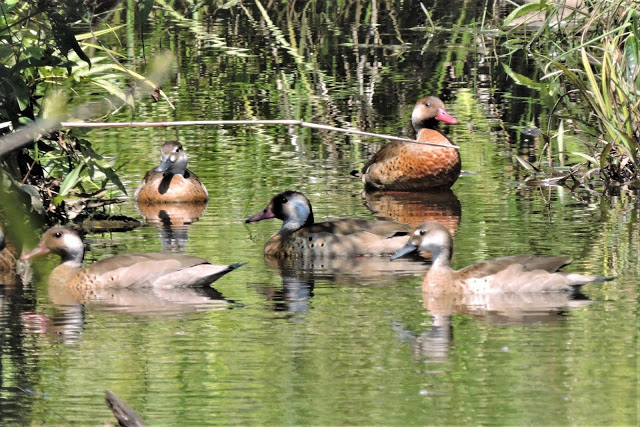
(415,166)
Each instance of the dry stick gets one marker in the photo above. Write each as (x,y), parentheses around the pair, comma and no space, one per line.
(246,122)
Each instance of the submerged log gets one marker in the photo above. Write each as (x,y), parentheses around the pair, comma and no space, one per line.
(126,416)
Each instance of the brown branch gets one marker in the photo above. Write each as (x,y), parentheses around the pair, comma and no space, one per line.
(247,122)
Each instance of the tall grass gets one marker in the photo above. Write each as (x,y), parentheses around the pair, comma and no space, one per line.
(590,52)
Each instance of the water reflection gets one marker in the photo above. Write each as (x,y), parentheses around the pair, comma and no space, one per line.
(142,301)
(416,207)
(348,271)
(172,220)
(299,276)
(68,322)
(510,309)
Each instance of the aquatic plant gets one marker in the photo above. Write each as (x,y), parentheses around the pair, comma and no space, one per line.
(590,54)
(43,56)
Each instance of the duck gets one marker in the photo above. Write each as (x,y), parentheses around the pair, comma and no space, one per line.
(171,181)
(511,274)
(135,270)
(301,236)
(412,166)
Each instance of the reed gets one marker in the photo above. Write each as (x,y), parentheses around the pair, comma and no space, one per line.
(590,52)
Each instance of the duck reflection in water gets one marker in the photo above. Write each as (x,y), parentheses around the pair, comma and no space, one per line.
(299,276)
(172,222)
(414,208)
(171,197)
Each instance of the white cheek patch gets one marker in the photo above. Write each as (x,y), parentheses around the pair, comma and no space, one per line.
(434,241)
(73,243)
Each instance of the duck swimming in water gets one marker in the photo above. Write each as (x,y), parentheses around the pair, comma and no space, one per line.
(301,236)
(123,271)
(519,273)
(171,181)
(412,166)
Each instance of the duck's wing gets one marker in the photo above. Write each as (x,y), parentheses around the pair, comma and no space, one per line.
(348,227)
(348,237)
(522,274)
(526,262)
(386,153)
(546,263)
(152,269)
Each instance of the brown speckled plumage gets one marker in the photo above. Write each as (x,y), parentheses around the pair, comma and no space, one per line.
(407,166)
(300,236)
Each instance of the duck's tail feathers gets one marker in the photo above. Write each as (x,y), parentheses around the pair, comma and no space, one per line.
(356,173)
(236,265)
(581,279)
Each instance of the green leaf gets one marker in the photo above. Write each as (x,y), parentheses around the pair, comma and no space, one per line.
(523,80)
(605,154)
(523,10)
(113,177)
(585,156)
(145,9)
(64,38)
(84,36)
(71,180)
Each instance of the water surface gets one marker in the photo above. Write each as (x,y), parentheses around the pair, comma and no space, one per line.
(349,342)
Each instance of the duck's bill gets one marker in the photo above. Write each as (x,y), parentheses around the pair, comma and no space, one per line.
(39,250)
(265,214)
(164,165)
(407,249)
(443,116)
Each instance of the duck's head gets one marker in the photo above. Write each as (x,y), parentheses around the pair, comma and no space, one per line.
(428,111)
(173,158)
(292,207)
(62,241)
(429,236)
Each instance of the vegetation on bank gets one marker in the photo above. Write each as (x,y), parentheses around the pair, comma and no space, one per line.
(590,53)
(50,52)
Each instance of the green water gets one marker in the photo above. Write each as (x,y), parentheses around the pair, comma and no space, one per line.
(348,343)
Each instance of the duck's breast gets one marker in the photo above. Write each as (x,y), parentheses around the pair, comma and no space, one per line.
(158,187)
(410,166)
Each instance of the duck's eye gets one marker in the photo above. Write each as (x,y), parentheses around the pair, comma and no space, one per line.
(57,234)
(422,232)
(428,104)
(284,200)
